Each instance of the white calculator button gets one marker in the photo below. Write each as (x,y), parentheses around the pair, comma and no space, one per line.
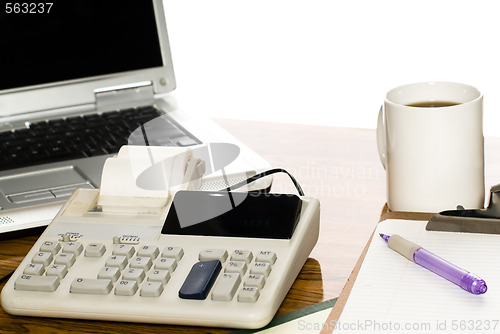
(151,251)
(119,261)
(72,247)
(213,254)
(65,258)
(159,276)
(37,283)
(226,287)
(266,256)
(255,280)
(50,246)
(151,289)
(242,255)
(95,250)
(126,288)
(248,294)
(35,269)
(112,273)
(142,262)
(43,258)
(134,274)
(91,286)
(125,250)
(239,267)
(173,252)
(59,270)
(166,264)
(263,268)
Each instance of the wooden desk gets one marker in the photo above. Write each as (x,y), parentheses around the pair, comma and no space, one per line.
(492,177)
(339,166)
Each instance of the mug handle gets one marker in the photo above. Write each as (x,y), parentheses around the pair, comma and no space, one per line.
(381,141)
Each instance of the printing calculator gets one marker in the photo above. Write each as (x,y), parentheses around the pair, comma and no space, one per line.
(231,268)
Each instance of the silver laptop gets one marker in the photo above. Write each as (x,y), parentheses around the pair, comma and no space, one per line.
(78,80)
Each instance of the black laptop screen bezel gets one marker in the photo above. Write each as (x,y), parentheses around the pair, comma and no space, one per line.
(77,39)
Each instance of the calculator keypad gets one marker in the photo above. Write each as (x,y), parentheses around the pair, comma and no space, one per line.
(213,254)
(226,287)
(72,247)
(125,250)
(37,283)
(35,269)
(112,273)
(95,250)
(173,252)
(130,269)
(94,286)
(65,258)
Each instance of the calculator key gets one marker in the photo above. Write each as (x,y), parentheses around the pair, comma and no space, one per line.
(143,262)
(95,250)
(73,247)
(50,246)
(36,283)
(266,256)
(65,258)
(126,288)
(126,250)
(112,273)
(151,289)
(200,279)
(242,255)
(166,263)
(255,280)
(213,254)
(91,286)
(35,269)
(239,267)
(173,252)
(134,274)
(248,294)
(59,270)
(262,268)
(151,251)
(159,276)
(43,258)
(226,287)
(119,261)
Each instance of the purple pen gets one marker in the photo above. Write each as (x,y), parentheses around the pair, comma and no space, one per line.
(415,253)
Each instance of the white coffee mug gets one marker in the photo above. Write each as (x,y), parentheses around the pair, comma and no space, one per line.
(433,151)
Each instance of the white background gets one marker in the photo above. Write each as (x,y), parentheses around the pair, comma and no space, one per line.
(328,62)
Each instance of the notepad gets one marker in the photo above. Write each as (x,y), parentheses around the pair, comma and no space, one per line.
(392,294)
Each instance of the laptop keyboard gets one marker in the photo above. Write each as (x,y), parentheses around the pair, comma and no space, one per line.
(87,136)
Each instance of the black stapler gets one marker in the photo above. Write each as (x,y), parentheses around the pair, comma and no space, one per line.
(470,221)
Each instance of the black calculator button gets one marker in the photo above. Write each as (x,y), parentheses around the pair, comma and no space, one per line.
(200,280)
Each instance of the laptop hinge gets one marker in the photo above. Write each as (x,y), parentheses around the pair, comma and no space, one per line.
(136,93)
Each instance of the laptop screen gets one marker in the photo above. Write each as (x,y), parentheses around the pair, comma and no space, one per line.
(76,39)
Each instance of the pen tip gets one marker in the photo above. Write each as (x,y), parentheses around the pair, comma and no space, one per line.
(384,236)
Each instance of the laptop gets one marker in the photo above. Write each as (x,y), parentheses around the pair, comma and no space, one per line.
(78,80)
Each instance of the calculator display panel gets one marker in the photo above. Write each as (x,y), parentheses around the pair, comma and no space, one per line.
(234,214)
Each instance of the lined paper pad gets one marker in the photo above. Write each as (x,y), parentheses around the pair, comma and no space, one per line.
(392,294)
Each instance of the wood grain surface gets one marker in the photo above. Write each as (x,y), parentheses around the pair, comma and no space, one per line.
(339,166)
(492,177)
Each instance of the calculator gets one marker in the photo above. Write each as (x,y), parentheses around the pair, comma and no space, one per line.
(231,270)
